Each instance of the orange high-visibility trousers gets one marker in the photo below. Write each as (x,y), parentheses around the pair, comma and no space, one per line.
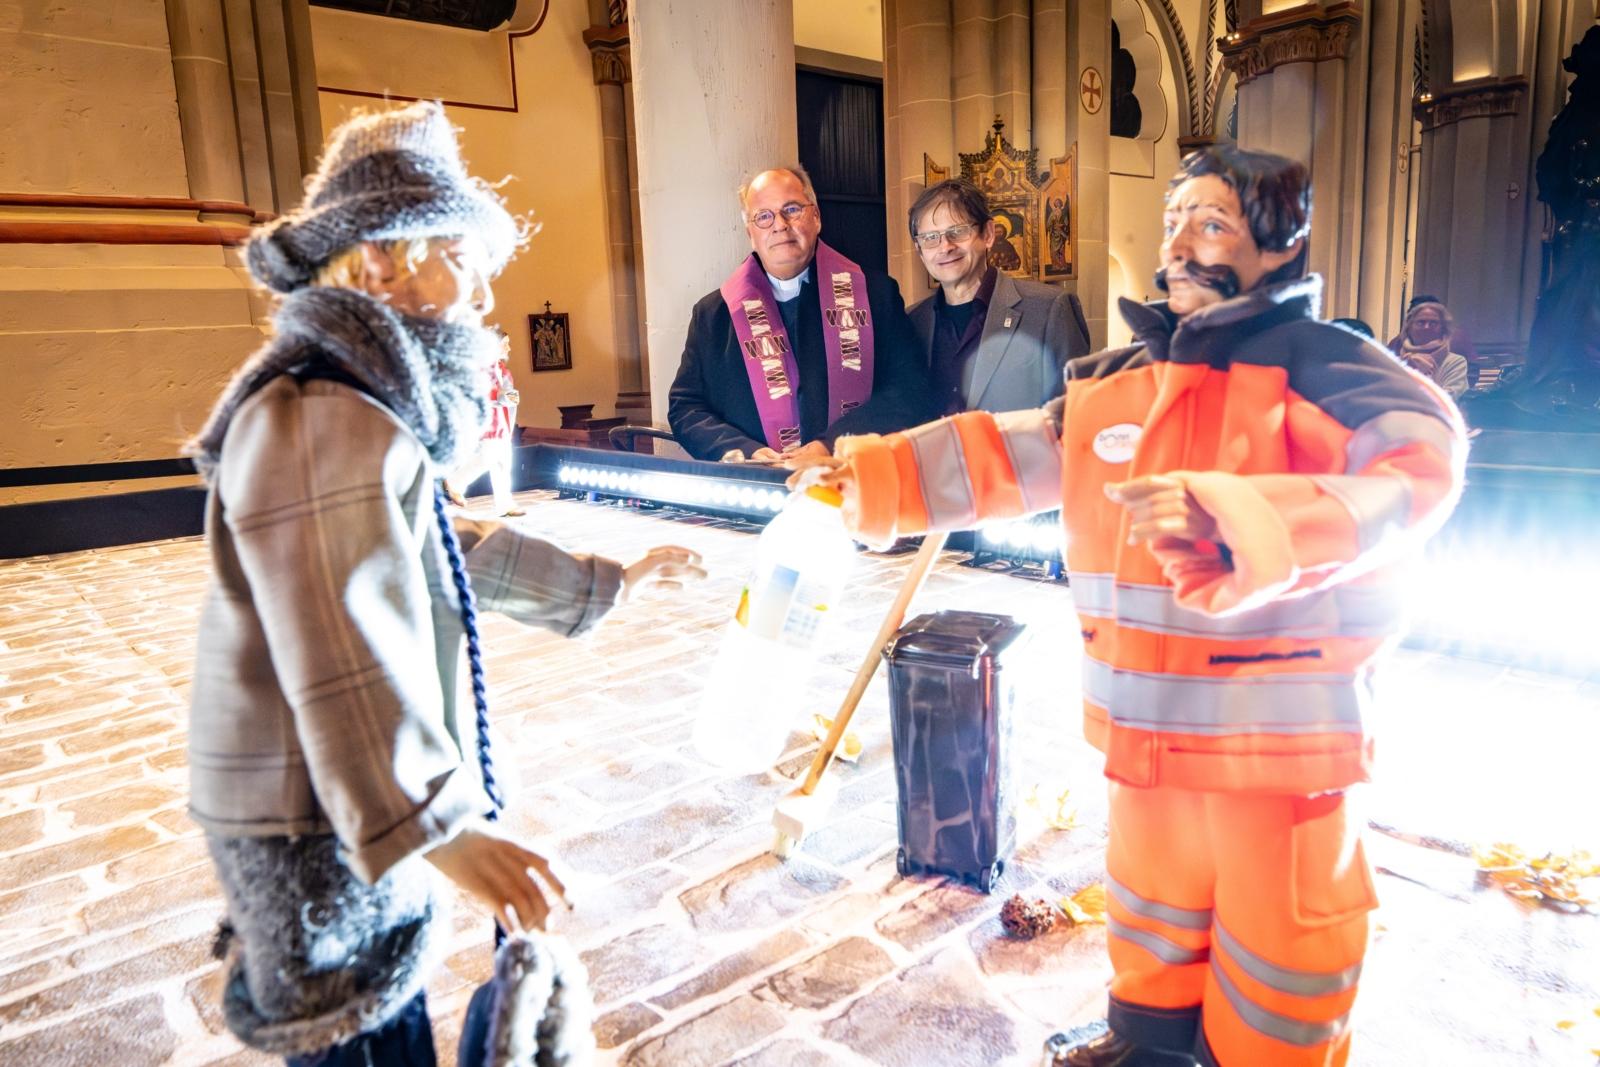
(1243,916)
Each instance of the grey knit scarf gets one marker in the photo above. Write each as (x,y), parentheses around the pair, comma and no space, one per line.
(431,374)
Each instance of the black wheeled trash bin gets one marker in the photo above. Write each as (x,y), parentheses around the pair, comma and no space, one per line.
(950,714)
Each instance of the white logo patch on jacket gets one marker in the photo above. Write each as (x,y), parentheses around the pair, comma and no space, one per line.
(1116,444)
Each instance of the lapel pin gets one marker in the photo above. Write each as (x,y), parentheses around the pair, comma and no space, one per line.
(1007,323)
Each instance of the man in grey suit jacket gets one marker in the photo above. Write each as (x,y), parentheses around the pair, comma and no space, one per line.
(992,342)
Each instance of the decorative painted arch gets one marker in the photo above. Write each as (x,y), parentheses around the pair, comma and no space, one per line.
(1169,29)
(1138,40)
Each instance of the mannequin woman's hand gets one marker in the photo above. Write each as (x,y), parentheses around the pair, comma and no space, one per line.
(513,882)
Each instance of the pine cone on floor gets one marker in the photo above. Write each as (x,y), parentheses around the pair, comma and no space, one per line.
(1025,920)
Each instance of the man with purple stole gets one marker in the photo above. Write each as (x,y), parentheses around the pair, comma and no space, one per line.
(798,346)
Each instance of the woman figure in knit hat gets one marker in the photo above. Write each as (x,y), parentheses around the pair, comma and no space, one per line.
(339,745)
(1425,347)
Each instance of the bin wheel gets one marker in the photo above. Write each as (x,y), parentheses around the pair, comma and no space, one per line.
(989,876)
(901,864)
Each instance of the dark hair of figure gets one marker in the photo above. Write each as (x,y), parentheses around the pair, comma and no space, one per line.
(966,201)
(1274,193)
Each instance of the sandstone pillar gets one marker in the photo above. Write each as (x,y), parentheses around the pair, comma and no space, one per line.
(1302,93)
(918,56)
(1051,96)
(200,70)
(1088,65)
(608,47)
(715,100)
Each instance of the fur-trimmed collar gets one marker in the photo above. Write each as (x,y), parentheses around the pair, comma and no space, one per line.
(1168,336)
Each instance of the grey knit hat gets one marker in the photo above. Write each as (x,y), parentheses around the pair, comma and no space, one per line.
(383,176)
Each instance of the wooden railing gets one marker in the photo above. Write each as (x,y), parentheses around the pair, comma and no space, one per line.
(87,230)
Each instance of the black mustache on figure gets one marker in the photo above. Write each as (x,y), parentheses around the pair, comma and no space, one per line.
(1220,278)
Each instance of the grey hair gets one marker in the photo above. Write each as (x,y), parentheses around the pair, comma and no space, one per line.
(793,168)
(1445,317)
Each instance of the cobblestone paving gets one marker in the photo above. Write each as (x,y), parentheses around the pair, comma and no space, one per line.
(702,948)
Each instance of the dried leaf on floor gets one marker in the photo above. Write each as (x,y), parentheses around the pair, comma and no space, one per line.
(1567,881)
(849,748)
(1053,807)
(1582,1030)
(1086,906)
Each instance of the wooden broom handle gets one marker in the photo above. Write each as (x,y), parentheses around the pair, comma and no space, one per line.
(932,545)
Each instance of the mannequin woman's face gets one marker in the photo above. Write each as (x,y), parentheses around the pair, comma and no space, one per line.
(450,282)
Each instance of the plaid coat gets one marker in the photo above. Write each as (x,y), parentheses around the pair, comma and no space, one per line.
(331,690)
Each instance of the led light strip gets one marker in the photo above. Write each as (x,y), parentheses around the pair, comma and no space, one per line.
(1039,538)
(673,488)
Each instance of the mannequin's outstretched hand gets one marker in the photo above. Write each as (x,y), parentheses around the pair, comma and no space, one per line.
(663,567)
(830,472)
(513,882)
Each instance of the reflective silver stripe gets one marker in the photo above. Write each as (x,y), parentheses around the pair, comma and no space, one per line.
(1395,430)
(1283,979)
(942,469)
(1182,918)
(1270,1023)
(1343,611)
(1379,504)
(1166,951)
(1033,446)
(1185,704)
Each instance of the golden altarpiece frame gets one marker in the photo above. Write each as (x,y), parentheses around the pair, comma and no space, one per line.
(1035,215)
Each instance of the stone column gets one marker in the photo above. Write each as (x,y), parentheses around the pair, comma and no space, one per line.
(201,70)
(1089,48)
(278,96)
(1378,293)
(919,45)
(1051,98)
(1013,66)
(246,98)
(608,47)
(1302,92)
(715,100)
(972,68)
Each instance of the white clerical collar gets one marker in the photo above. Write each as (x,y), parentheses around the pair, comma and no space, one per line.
(786,289)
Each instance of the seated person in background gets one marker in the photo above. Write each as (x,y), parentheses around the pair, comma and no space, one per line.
(991,342)
(1357,325)
(1425,347)
(799,345)
(1460,342)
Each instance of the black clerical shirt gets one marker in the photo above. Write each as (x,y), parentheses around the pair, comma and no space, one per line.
(956,331)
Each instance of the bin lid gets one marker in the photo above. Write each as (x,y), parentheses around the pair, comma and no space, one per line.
(958,640)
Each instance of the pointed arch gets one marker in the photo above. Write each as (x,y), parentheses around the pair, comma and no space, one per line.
(1170,31)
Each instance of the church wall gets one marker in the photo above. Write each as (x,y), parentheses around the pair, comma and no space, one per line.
(108,352)
(844,27)
(102,74)
(1138,183)
(550,147)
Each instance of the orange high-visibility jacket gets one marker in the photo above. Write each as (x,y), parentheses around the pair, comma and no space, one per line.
(1243,665)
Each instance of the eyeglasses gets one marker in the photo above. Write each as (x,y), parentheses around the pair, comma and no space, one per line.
(956,234)
(791,213)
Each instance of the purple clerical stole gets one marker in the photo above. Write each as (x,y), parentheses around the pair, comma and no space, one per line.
(769,357)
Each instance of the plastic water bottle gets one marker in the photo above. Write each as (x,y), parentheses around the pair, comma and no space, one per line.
(755,695)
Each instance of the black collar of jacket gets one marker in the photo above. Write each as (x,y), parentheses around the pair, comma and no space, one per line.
(1213,331)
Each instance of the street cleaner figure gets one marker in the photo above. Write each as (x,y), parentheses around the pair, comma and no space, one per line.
(1239,489)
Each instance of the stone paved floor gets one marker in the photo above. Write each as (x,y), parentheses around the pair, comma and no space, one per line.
(702,948)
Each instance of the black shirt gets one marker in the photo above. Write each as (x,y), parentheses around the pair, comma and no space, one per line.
(956,331)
